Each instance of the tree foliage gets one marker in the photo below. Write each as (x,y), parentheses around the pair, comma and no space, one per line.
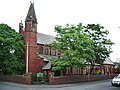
(80,44)
(11,50)
(75,44)
(117,64)
(101,44)
(118,68)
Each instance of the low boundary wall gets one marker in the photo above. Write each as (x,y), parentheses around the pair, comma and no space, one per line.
(17,79)
(77,79)
(56,80)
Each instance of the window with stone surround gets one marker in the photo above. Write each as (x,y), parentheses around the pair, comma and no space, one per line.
(41,50)
(68,70)
(78,70)
(54,52)
(46,51)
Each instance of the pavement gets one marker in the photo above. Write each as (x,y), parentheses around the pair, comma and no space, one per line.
(35,86)
(94,85)
(12,84)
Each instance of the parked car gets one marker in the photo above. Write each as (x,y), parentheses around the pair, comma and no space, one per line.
(116,80)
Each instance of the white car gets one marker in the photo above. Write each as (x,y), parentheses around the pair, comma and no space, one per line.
(116,80)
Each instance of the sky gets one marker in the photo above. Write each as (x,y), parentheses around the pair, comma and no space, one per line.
(61,12)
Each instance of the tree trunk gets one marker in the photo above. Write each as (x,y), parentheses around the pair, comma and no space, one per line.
(92,69)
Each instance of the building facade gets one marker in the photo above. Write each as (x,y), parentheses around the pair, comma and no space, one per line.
(35,50)
(38,54)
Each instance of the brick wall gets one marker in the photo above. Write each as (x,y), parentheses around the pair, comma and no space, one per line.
(77,79)
(17,79)
(56,80)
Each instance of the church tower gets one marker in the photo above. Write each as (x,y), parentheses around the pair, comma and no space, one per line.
(30,40)
(31,20)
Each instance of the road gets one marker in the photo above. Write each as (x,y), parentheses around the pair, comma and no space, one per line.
(94,85)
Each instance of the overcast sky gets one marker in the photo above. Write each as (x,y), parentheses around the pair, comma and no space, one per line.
(61,12)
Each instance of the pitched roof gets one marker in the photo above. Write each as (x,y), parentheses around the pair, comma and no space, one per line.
(108,61)
(47,66)
(44,39)
(31,14)
(46,57)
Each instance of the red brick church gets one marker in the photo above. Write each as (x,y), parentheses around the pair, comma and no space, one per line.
(37,54)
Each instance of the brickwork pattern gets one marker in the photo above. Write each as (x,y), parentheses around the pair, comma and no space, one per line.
(77,79)
(17,79)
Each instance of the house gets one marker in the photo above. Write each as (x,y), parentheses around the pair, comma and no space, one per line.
(37,53)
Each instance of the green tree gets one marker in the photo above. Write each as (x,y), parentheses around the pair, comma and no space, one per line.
(118,67)
(101,44)
(117,64)
(11,50)
(74,44)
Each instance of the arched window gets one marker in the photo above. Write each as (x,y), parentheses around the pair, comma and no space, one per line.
(41,50)
(54,53)
(46,51)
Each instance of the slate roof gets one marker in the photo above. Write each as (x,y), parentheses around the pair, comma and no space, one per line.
(44,38)
(47,66)
(46,57)
(108,61)
(31,14)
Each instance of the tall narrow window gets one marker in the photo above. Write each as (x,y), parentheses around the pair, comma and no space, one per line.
(41,50)
(68,70)
(78,70)
(53,52)
(46,51)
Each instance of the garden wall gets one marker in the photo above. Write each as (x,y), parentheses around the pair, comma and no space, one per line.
(56,80)
(77,79)
(17,79)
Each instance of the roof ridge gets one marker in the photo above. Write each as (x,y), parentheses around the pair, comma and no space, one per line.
(46,34)
(44,38)
(110,59)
